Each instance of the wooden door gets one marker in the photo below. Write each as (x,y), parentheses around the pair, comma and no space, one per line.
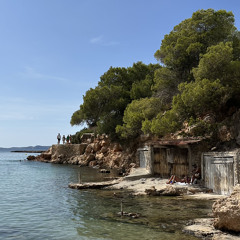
(219,174)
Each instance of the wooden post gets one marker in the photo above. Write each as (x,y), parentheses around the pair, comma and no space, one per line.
(121,208)
(79,178)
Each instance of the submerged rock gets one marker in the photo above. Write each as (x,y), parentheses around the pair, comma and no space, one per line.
(167,191)
(127,214)
(171,191)
(31,157)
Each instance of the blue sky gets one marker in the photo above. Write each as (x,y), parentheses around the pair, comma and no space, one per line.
(53,51)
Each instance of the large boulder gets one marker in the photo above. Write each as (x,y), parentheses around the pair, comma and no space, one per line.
(104,149)
(90,157)
(171,191)
(47,156)
(96,146)
(227,212)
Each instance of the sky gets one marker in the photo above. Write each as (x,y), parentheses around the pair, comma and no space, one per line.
(53,51)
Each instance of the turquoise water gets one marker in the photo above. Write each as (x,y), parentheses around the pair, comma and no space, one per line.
(36,204)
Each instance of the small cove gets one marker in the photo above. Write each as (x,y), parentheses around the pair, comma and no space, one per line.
(37,204)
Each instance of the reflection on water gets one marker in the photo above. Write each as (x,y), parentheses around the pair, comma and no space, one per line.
(35,203)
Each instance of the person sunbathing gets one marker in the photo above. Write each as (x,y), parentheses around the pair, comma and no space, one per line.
(173,179)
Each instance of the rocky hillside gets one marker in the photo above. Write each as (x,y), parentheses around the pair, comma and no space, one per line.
(94,152)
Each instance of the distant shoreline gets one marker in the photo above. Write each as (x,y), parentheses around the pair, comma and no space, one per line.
(28,151)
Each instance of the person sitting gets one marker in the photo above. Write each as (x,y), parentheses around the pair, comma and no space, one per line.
(196,174)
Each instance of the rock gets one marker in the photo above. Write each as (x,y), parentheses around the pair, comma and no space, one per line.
(31,157)
(96,146)
(104,149)
(104,143)
(202,228)
(132,165)
(81,159)
(209,118)
(117,147)
(171,191)
(87,137)
(99,156)
(116,159)
(90,157)
(107,155)
(152,191)
(82,148)
(93,163)
(46,156)
(127,214)
(227,212)
(89,148)
(224,133)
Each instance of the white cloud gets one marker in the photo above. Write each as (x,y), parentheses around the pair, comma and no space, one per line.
(31,73)
(100,40)
(96,39)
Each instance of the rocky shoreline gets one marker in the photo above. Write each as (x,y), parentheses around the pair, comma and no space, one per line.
(97,152)
(204,228)
(101,153)
(219,225)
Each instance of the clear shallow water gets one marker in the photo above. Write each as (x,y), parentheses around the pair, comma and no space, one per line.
(36,204)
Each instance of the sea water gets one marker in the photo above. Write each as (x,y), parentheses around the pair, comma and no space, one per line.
(36,204)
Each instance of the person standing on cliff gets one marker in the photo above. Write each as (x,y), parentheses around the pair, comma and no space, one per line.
(59,138)
(63,139)
(67,139)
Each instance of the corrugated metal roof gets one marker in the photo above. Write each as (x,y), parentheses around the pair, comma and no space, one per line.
(175,142)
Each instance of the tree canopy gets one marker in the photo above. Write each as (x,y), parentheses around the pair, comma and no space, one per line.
(104,105)
(200,73)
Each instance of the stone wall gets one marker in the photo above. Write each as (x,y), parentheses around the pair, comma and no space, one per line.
(93,152)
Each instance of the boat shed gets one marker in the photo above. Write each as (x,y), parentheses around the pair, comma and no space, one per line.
(221,171)
(170,157)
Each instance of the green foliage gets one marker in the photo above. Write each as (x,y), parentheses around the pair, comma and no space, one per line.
(136,112)
(215,63)
(165,84)
(104,105)
(164,123)
(95,101)
(194,100)
(203,96)
(141,88)
(200,75)
(181,48)
(76,138)
(201,128)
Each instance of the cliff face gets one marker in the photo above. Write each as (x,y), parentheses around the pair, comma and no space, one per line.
(93,152)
